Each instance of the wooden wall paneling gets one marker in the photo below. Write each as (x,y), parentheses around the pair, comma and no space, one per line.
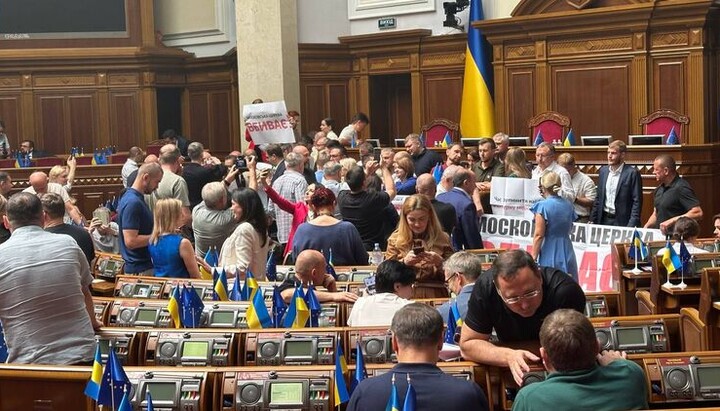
(315,106)
(124,118)
(594,96)
(52,124)
(401,110)
(103,137)
(338,105)
(10,114)
(520,97)
(220,124)
(443,96)
(669,84)
(639,82)
(148,109)
(200,115)
(82,123)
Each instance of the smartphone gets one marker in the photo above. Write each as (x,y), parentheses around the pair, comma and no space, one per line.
(102,214)
(376,154)
(418,247)
(369,285)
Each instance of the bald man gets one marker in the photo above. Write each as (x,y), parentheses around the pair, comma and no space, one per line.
(149,159)
(307,167)
(426,186)
(310,269)
(39,184)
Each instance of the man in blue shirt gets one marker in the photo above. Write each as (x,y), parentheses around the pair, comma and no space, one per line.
(417,338)
(135,220)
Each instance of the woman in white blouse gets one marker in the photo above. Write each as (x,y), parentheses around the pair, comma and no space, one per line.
(247,247)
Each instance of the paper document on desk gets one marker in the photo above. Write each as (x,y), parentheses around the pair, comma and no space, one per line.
(450,352)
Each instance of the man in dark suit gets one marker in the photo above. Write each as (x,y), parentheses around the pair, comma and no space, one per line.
(27,147)
(466,234)
(619,191)
(426,186)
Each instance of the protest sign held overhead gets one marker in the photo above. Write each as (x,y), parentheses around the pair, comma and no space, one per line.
(268,123)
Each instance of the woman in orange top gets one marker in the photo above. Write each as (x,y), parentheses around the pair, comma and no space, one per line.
(420,242)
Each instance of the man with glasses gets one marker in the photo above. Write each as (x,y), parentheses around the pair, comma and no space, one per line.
(545,158)
(462,269)
(513,298)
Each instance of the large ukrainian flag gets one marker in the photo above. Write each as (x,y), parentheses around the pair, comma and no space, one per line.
(477,113)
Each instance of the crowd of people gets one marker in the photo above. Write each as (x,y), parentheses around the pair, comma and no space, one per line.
(308,202)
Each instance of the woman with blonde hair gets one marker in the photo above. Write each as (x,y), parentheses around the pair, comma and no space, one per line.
(516,163)
(171,254)
(554,217)
(64,175)
(420,242)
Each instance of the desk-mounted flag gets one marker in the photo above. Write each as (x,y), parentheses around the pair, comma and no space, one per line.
(672,137)
(538,138)
(329,266)
(174,306)
(271,267)
(340,391)
(360,370)
(92,389)
(236,292)
(670,259)
(410,403)
(278,307)
(257,314)
(192,307)
(446,141)
(393,403)
(569,139)
(114,382)
(220,286)
(437,173)
(297,313)
(314,306)
(251,285)
(638,249)
(125,402)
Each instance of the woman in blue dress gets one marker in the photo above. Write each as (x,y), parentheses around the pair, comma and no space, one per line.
(554,217)
(171,254)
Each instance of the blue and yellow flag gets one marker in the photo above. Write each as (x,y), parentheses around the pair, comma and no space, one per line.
(393,403)
(446,141)
(538,139)
(220,285)
(329,265)
(672,137)
(211,258)
(192,307)
(670,259)
(477,113)
(638,249)
(569,139)
(114,381)
(278,307)
(341,391)
(257,313)
(360,370)
(456,313)
(174,305)
(297,313)
(149,401)
(451,328)
(251,285)
(125,402)
(92,389)
(410,403)
(236,292)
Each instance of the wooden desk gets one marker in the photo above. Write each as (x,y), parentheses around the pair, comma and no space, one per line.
(102,288)
(676,291)
(629,284)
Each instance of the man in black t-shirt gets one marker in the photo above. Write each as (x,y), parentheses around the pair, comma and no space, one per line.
(54,208)
(514,297)
(363,208)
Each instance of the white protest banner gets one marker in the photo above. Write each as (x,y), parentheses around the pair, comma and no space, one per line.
(268,123)
(591,243)
(513,196)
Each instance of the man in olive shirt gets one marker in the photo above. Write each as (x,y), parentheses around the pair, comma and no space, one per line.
(485,169)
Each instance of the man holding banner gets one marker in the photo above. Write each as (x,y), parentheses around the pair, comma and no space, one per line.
(513,298)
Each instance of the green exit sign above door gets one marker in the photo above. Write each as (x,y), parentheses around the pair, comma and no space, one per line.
(387,23)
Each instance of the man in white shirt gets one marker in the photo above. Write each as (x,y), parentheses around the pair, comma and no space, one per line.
(619,191)
(349,135)
(39,184)
(584,187)
(135,157)
(545,157)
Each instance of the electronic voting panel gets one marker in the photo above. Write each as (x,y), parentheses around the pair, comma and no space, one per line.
(291,347)
(140,313)
(135,287)
(375,343)
(284,272)
(684,378)
(463,370)
(306,389)
(633,337)
(108,266)
(171,389)
(596,306)
(355,274)
(127,343)
(192,347)
(101,308)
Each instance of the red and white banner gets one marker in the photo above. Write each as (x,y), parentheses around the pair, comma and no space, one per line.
(268,123)
(591,243)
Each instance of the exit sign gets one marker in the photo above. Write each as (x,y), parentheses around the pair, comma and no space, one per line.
(387,23)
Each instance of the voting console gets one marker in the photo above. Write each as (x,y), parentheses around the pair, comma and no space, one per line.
(375,343)
(632,337)
(291,346)
(107,266)
(192,347)
(683,378)
(172,389)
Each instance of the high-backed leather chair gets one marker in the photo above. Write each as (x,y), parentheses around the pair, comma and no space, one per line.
(551,125)
(435,131)
(664,120)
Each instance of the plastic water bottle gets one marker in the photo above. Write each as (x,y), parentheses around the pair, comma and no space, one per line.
(376,257)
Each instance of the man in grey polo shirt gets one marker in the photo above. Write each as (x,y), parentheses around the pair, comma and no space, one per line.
(45,303)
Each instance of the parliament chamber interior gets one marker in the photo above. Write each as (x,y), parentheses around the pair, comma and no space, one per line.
(626,70)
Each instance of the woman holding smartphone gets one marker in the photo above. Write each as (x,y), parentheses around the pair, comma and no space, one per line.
(420,242)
